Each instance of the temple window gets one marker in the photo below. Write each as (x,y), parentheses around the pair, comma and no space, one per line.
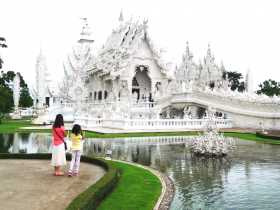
(95,95)
(212,85)
(100,95)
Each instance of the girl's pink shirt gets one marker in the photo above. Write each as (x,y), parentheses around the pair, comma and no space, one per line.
(58,135)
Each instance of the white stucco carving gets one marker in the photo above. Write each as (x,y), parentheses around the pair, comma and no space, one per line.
(16,90)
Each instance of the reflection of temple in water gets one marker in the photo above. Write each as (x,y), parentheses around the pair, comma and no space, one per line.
(150,151)
(26,143)
(197,177)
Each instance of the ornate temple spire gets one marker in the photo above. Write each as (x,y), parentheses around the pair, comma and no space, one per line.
(222,68)
(249,82)
(121,19)
(189,55)
(86,32)
(209,59)
(187,48)
(42,79)
(16,90)
(209,50)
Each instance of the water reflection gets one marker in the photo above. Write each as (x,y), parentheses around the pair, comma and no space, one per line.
(25,143)
(248,178)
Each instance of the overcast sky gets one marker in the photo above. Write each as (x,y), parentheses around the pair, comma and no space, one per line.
(244,34)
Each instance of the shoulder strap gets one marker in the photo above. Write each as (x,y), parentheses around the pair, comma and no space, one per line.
(58,135)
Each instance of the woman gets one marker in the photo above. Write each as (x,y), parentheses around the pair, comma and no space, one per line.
(58,151)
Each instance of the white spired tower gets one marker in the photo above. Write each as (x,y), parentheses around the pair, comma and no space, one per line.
(16,91)
(249,82)
(16,95)
(76,65)
(42,91)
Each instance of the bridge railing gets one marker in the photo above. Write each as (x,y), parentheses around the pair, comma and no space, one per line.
(148,124)
(174,124)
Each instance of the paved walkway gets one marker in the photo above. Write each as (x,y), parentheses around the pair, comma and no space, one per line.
(30,184)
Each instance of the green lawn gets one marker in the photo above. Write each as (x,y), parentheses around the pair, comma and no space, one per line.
(137,189)
(252,137)
(11,126)
(119,135)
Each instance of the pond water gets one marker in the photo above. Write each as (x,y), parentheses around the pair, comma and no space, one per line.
(248,178)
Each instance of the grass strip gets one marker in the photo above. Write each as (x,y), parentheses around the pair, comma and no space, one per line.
(12,126)
(252,137)
(136,189)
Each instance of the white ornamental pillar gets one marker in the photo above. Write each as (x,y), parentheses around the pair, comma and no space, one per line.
(16,91)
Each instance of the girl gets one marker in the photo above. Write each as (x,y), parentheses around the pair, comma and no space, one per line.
(58,150)
(76,138)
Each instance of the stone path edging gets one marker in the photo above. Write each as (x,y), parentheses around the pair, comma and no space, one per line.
(167,191)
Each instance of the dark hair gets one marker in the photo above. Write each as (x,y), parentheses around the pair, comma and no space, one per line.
(77,129)
(58,121)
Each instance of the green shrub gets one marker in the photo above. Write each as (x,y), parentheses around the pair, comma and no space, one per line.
(267,136)
(92,197)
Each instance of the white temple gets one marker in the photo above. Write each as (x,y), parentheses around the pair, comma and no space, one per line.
(127,85)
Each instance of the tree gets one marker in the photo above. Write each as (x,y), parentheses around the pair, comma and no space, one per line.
(7,78)
(2,45)
(6,99)
(6,93)
(235,80)
(269,87)
(25,99)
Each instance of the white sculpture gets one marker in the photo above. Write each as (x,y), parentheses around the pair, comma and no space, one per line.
(16,96)
(16,90)
(211,143)
(187,112)
(168,113)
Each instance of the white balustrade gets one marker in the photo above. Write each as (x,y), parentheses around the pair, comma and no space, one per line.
(144,104)
(149,124)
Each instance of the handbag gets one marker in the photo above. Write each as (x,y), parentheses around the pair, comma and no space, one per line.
(65,145)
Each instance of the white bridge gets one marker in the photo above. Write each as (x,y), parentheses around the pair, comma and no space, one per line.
(245,111)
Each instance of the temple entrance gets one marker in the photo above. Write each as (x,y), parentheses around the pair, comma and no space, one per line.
(47,101)
(141,84)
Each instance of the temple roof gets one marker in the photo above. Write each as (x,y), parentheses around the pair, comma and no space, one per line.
(122,45)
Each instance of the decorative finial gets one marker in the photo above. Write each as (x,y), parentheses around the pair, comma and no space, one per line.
(249,82)
(145,21)
(121,16)
(209,50)
(145,24)
(86,32)
(187,48)
(222,66)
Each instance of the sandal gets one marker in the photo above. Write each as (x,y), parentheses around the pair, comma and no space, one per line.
(58,174)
